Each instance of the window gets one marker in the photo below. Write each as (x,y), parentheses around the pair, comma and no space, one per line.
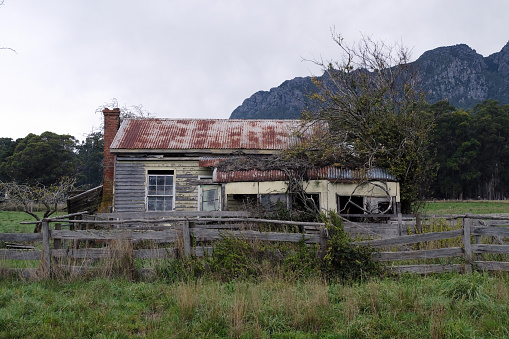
(269,201)
(210,197)
(160,191)
(350,204)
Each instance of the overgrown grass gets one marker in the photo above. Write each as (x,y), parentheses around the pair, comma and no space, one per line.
(463,207)
(475,305)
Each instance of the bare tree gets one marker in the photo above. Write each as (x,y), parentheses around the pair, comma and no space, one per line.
(127,112)
(48,196)
(375,114)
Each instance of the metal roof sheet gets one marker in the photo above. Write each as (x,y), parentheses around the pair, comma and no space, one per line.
(326,173)
(160,134)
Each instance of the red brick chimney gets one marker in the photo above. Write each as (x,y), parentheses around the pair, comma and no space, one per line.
(111,126)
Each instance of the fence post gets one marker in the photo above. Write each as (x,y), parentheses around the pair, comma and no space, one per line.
(57,243)
(186,239)
(324,236)
(418,222)
(46,251)
(467,245)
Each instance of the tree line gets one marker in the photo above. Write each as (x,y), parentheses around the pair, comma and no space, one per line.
(45,159)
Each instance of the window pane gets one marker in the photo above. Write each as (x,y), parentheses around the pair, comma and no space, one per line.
(168,190)
(159,204)
(160,180)
(167,204)
(151,204)
(151,180)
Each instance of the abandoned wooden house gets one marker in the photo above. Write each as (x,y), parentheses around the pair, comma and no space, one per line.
(178,164)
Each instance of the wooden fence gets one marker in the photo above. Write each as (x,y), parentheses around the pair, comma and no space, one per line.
(184,234)
(476,236)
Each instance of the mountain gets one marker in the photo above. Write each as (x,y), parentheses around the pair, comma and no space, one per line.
(456,73)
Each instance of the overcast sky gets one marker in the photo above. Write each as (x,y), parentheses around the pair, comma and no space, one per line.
(198,59)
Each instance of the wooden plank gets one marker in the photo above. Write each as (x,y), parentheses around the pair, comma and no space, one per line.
(495,231)
(209,235)
(421,254)
(200,251)
(497,223)
(82,253)
(485,248)
(159,236)
(412,239)
(492,265)
(57,243)
(156,253)
(186,239)
(20,255)
(20,237)
(172,214)
(467,244)
(226,226)
(101,253)
(369,225)
(425,269)
(46,250)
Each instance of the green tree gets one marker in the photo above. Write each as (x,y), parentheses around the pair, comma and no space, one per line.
(455,152)
(376,115)
(491,128)
(90,155)
(7,146)
(472,150)
(41,159)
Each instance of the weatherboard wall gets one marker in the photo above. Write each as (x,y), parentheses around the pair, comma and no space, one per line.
(131,183)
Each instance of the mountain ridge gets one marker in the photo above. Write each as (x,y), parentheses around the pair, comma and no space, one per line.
(455,73)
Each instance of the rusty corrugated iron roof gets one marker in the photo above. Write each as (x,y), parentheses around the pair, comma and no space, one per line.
(160,134)
(325,173)
(210,162)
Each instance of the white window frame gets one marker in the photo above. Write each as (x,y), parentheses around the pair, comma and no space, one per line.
(148,194)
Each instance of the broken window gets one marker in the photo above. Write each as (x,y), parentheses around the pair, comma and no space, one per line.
(350,204)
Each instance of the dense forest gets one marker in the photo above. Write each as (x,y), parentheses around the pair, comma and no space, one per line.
(470,149)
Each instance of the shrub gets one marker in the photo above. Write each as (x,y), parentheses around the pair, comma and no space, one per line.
(344,260)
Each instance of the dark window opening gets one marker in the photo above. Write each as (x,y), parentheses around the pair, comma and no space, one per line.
(350,204)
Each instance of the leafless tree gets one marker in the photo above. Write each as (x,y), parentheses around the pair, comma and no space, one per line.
(48,196)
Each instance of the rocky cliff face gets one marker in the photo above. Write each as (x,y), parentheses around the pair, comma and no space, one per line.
(456,73)
(464,77)
(284,102)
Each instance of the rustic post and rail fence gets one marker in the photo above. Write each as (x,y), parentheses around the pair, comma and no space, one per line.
(193,233)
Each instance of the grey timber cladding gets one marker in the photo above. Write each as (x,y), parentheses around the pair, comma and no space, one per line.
(129,190)
(130,183)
